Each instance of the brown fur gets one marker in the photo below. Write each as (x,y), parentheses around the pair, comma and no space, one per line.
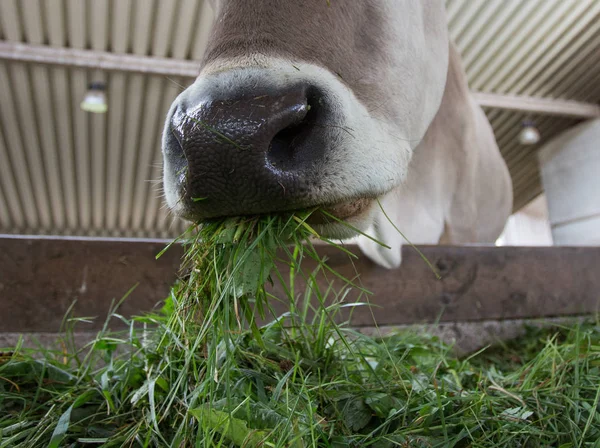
(348,38)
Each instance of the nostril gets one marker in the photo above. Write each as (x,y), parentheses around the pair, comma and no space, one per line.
(283,152)
(176,137)
(172,143)
(173,133)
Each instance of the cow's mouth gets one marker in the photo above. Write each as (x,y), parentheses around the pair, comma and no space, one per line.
(321,215)
(343,211)
(338,220)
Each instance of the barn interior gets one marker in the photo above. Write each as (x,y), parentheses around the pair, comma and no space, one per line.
(70,172)
(85,86)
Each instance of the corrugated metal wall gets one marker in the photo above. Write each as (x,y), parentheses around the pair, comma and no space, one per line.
(541,48)
(64,171)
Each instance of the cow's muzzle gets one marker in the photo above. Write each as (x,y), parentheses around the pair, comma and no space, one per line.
(246,150)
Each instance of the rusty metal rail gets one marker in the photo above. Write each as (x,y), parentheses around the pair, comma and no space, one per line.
(40,279)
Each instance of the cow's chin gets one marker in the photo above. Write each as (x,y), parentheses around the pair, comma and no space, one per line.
(343,220)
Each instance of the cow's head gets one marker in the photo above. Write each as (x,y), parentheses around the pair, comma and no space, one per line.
(305,103)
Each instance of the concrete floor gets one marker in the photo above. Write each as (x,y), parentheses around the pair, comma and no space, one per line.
(466,337)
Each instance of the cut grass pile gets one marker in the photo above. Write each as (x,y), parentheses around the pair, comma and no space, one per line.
(200,372)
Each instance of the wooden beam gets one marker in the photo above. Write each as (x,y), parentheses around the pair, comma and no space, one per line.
(40,54)
(541,106)
(40,279)
(102,60)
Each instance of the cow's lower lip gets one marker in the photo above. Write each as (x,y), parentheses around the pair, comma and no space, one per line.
(321,215)
(341,211)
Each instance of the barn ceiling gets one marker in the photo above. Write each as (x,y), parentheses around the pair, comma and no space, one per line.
(65,171)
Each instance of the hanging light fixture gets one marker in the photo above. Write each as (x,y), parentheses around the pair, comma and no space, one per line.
(95,98)
(529,134)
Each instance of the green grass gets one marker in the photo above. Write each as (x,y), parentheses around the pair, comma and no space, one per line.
(200,372)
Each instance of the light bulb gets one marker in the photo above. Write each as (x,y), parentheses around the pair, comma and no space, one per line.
(529,135)
(95,99)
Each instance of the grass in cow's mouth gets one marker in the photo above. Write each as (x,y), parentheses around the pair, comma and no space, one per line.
(201,372)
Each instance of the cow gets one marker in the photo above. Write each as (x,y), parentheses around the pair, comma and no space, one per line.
(358,107)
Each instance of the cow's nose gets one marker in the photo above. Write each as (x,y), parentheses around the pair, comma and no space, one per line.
(245,154)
